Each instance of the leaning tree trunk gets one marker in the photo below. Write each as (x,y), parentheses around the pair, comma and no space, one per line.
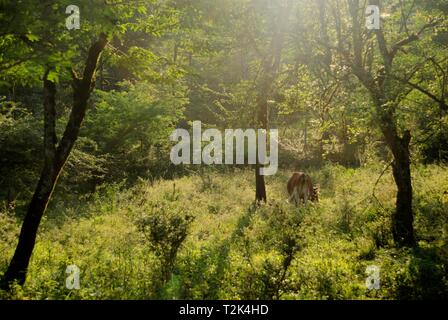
(55,156)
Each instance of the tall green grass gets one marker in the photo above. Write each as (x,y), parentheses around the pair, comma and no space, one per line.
(233,249)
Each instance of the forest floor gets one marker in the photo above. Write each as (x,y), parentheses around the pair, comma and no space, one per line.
(201,237)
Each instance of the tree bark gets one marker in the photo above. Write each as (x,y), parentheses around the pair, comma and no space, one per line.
(402,218)
(260,186)
(55,158)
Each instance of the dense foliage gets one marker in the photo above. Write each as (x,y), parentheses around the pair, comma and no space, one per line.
(140,227)
(124,239)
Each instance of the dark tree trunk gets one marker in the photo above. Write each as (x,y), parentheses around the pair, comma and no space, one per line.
(260,187)
(55,157)
(402,219)
(19,263)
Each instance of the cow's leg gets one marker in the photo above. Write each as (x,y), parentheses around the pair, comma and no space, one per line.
(299,199)
(291,196)
(294,196)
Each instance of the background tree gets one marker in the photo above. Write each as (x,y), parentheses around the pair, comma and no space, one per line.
(378,66)
(53,56)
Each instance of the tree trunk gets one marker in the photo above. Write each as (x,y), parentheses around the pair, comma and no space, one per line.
(402,219)
(270,66)
(55,158)
(19,263)
(260,186)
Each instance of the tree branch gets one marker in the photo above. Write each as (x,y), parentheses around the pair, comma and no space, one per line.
(440,101)
(411,38)
(81,93)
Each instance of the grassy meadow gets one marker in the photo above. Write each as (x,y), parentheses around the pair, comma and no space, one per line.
(201,237)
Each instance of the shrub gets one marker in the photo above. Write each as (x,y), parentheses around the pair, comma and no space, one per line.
(165,228)
(268,245)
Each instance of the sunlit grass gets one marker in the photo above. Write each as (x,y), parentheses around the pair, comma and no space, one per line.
(234,250)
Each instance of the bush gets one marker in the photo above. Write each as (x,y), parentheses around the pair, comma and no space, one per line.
(165,227)
(270,240)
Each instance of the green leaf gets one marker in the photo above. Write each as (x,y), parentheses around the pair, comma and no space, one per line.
(53,76)
(32,37)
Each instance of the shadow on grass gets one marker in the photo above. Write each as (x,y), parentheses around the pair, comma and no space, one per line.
(221,252)
(426,276)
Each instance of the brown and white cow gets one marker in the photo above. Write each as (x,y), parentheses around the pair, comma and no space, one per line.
(300,187)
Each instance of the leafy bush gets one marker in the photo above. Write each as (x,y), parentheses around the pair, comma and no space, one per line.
(269,240)
(165,227)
